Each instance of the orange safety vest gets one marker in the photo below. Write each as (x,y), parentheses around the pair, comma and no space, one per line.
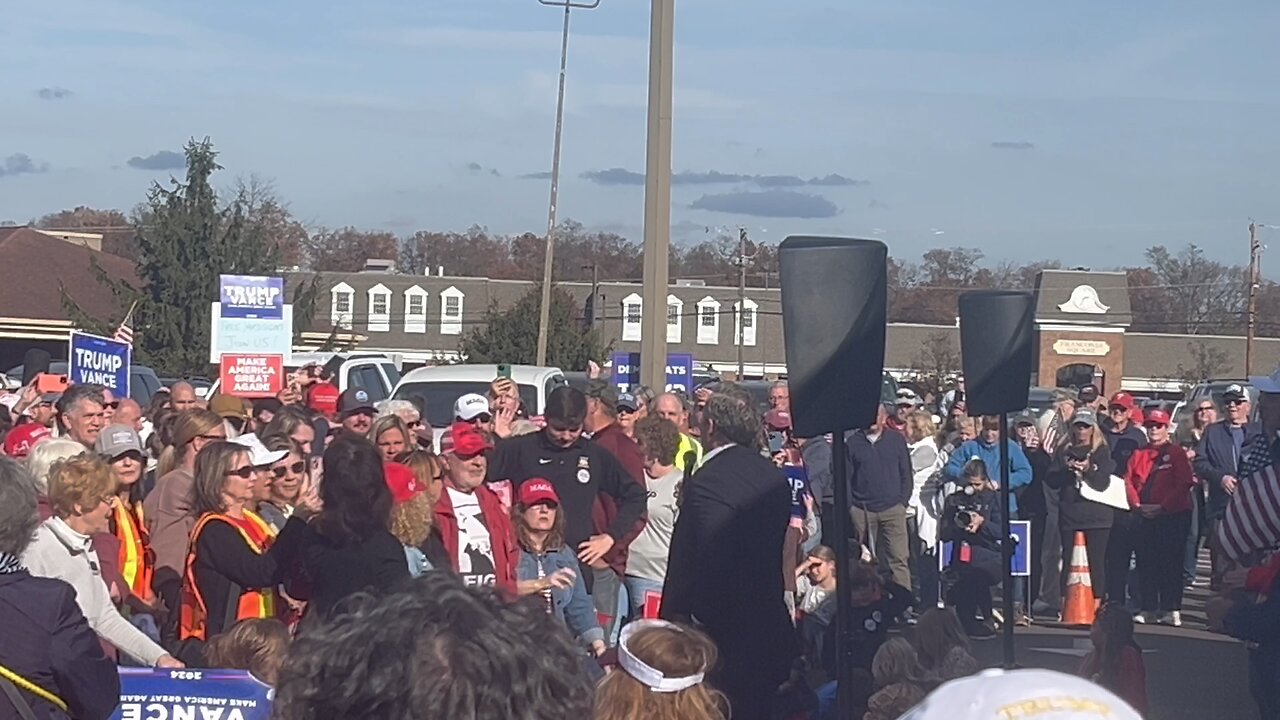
(257,603)
(137,559)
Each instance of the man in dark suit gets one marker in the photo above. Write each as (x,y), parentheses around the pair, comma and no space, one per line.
(725,572)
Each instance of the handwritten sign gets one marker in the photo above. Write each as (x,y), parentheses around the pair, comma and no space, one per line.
(250,336)
(252,375)
(251,296)
(101,361)
(191,695)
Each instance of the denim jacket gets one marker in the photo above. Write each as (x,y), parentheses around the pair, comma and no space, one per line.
(573,606)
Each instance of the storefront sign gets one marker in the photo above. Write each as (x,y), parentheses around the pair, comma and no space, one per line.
(1088,348)
(252,375)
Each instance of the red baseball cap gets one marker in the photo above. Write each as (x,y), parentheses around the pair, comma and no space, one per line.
(537,490)
(402,482)
(1121,399)
(323,398)
(1158,417)
(20,440)
(464,440)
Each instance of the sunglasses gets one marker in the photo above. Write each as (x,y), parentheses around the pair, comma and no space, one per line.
(295,468)
(1205,409)
(1231,403)
(113,405)
(481,418)
(212,437)
(244,473)
(415,424)
(627,411)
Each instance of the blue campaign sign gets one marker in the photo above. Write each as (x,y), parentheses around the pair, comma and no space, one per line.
(251,297)
(1021,560)
(191,695)
(99,361)
(626,371)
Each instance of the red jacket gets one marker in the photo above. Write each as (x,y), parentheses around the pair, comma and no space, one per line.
(1161,475)
(502,534)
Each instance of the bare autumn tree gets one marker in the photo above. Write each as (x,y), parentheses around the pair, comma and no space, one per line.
(475,252)
(1185,292)
(270,218)
(346,249)
(117,231)
(936,365)
(1204,362)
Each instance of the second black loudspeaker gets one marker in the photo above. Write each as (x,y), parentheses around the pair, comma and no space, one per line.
(834,309)
(997,342)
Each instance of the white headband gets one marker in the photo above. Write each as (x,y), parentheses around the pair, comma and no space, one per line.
(649,676)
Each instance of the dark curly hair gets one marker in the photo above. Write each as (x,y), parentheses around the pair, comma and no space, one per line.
(436,649)
(357,502)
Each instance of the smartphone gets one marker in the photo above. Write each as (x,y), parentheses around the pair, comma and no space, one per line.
(504,371)
(50,383)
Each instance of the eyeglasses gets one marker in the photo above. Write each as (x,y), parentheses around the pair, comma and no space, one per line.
(1207,408)
(1233,403)
(627,411)
(113,405)
(1117,409)
(295,468)
(244,473)
(415,424)
(481,418)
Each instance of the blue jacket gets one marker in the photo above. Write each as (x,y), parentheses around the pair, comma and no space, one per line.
(1019,466)
(880,475)
(573,606)
(1217,457)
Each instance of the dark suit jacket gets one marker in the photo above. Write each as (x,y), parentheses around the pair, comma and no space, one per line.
(725,569)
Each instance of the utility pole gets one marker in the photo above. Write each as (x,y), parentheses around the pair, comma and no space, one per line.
(741,313)
(544,313)
(595,293)
(1255,255)
(657,195)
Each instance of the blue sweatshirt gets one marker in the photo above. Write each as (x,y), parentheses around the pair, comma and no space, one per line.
(1019,466)
(880,471)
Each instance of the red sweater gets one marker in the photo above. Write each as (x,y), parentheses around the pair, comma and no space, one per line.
(614,439)
(1161,475)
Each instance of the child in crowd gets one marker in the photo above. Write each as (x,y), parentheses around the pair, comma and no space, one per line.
(900,681)
(661,676)
(877,603)
(1116,661)
(942,646)
(256,645)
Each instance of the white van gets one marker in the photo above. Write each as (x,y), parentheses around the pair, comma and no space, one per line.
(439,387)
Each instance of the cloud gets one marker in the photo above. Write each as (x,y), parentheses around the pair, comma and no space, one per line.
(21,164)
(769,203)
(476,168)
(544,175)
(1013,145)
(53,93)
(163,160)
(620,176)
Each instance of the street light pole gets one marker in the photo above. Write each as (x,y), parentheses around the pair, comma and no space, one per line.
(544,314)
(657,196)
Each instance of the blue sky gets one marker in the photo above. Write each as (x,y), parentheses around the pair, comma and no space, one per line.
(1081,131)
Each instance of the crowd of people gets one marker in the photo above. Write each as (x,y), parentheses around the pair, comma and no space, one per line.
(615,555)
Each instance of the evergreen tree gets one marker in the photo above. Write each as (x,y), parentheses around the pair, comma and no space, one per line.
(185,243)
(511,335)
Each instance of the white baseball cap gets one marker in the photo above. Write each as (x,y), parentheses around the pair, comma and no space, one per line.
(259,455)
(999,694)
(470,406)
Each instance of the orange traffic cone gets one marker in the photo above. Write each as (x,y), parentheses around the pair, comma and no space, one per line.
(1079,606)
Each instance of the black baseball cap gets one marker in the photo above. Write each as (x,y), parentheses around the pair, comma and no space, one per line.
(353,401)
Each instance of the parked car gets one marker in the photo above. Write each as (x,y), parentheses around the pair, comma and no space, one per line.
(374,372)
(437,388)
(1212,389)
(143,381)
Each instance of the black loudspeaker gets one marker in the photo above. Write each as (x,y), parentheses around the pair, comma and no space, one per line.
(834,310)
(997,342)
(34,362)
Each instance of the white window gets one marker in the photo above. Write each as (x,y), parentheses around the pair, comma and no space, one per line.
(675,311)
(745,314)
(379,308)
(632,314)
(342,298)
(415,310)
(451,311)
(708,321)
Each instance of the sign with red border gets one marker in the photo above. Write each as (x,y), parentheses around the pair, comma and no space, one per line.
(252,375)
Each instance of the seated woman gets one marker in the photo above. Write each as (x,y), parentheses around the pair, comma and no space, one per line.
(549,567)
(971,521)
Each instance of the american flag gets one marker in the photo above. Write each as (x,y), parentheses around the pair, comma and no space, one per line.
(124,333)
(1252,519)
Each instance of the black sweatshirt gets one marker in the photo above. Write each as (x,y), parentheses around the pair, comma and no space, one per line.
(223,557)
(578,473)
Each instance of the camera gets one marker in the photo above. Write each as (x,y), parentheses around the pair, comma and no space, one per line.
(966,508)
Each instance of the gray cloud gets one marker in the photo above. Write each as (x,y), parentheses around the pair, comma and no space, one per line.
(163,160)
(620,176)
(545,175)
(21,164)
(476,168)
(1013,145)
(53,93)
(770,203)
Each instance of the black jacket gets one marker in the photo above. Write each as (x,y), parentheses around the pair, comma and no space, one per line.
(46,640)
(223,558)
(1216,457)
(1123,445)
(1075,512)
(579,473)
(1031,499)
(726,564)
(336,571)
(984,545)
(880,475)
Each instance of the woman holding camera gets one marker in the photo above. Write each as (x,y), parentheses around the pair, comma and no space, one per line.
(971,521)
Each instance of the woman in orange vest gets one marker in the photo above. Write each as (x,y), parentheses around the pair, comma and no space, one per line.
(122,447)
(234,565)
